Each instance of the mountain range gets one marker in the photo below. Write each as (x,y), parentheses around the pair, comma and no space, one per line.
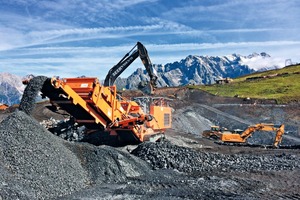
(190,70)
(199,70)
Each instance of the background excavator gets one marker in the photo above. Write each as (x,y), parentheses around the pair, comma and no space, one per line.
(101,110)
(242,136)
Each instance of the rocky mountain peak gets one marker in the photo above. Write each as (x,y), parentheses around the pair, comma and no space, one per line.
(11,88)
(262,54)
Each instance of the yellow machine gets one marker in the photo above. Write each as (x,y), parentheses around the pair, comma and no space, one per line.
(242,138)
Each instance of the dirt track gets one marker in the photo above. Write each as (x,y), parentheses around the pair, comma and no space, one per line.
(190,167)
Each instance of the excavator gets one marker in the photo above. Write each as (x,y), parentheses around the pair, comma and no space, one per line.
(242,136)
(99,108)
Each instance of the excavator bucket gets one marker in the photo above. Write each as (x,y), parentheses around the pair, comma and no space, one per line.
(146,88)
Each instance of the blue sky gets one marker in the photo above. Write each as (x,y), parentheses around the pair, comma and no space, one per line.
(70,38)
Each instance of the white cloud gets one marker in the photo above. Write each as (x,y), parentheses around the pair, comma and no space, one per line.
(257,63)
(9,38)
(71,35)
(191,46)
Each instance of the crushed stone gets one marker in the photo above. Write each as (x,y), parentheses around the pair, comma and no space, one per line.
(35,164)
(38,161)
(164,155)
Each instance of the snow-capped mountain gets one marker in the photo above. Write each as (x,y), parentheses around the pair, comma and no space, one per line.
(11,88)
(201,70)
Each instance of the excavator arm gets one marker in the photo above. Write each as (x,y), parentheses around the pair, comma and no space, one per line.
(141,52)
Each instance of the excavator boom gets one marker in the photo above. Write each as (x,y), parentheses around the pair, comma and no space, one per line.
(141,52)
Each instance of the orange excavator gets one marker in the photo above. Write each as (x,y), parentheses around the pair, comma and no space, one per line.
(100,109)
(242,138)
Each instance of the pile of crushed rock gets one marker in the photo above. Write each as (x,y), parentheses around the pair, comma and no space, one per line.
(164,155)
(36,164)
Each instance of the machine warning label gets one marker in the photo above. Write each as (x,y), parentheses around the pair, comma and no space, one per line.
(84,85)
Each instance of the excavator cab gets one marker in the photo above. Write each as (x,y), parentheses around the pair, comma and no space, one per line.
(214,132)
(215,128)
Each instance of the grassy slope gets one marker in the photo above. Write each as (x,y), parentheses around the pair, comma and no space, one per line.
(284,88)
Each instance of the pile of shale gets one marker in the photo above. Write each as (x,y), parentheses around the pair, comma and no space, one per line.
(35,164)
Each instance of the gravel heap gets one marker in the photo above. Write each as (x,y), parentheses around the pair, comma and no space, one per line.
(38,160)
(164,155)
(105,164)
(35,164)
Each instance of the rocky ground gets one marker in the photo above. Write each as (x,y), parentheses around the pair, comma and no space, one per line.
(36,164)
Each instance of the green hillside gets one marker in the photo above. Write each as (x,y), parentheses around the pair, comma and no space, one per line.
(282,85)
